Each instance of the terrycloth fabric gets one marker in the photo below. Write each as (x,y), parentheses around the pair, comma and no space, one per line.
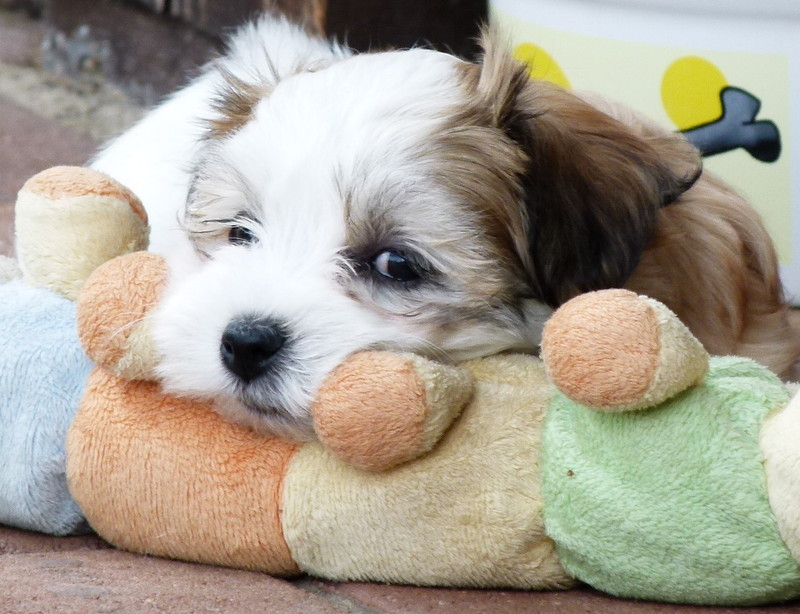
(468,513)
(373,426)
(112,314)
(89,217)
(617,351)
(780,445)
(43,371)
(167,476)
(671,503)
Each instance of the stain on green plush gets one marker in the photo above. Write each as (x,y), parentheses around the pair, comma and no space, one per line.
(670,504)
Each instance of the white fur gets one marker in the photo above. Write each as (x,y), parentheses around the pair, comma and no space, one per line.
(154,157)
(337,145)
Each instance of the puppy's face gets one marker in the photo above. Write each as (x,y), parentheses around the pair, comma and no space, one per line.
(403,200)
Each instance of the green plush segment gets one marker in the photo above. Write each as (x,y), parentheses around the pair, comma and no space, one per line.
(670,504)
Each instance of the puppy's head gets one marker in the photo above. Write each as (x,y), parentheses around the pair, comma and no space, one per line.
(404,200)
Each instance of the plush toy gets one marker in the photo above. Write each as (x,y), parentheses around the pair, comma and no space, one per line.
(647,470)
(68,220)
(627,459)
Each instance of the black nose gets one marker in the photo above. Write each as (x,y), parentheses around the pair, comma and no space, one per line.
(249,345)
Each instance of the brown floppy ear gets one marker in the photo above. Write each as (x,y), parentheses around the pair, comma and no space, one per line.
(592,185)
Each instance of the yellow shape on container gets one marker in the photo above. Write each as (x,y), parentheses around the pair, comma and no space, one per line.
(541,64)
(690,92)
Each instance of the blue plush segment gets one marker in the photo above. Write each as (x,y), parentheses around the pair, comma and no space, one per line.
(43,371)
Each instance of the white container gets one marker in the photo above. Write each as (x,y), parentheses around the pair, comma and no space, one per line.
(672,60)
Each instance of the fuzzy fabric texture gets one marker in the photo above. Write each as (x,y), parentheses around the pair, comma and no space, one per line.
(670,504)
(43,371)
(618,351)
(468,513)
(89,217)
(112,314)
(780,436)
(169,477)
(415,410)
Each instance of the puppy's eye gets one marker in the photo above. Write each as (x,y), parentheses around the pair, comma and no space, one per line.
(239,235)
(395,266)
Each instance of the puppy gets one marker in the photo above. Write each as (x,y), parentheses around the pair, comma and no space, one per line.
(314,202)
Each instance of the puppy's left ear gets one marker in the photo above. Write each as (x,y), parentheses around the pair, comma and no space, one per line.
(591,186)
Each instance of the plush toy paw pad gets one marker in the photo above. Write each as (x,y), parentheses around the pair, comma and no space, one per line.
(617,351)
(112,313)
(602,348)
(380,409)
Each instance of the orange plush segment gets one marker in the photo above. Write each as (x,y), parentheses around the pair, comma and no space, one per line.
(113,305)
(65,181)
(603,353)
(168,477)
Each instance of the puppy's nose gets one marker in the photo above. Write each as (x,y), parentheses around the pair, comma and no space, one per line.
(249,345)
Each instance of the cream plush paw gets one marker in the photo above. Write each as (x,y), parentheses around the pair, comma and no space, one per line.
(68,221)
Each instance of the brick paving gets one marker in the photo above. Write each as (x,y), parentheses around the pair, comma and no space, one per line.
(41,574)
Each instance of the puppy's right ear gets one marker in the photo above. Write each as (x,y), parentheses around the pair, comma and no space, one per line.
(591,187)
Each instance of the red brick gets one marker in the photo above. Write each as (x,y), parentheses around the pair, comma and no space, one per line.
(13,541)
(89,582)
(413,600)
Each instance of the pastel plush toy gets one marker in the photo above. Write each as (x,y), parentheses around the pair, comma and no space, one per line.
(647,470)
(68,220)
(627,459)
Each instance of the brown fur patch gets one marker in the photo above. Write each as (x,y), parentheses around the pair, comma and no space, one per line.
(459,154)
(712,262)
(596,183)
(234,104)
(591,188)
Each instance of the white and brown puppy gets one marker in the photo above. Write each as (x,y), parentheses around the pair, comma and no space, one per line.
(314,202)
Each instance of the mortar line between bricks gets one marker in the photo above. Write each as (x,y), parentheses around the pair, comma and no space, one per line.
(341,602)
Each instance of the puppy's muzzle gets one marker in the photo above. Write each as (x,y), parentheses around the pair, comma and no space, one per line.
(249,346)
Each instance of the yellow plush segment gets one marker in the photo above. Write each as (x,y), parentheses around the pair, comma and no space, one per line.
(466,514)
(778,441)
(61,239)
(380,409)
(682,359)
(112,313)
(617,351)
(447,390)
(169,477)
